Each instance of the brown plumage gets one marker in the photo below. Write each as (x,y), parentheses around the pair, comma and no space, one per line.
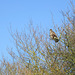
(53,36)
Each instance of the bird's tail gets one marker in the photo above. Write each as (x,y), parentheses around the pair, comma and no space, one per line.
(57,39)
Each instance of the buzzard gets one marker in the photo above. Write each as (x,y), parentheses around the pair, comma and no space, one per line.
(53,36)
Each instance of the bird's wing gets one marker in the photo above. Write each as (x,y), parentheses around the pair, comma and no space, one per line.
(53,34)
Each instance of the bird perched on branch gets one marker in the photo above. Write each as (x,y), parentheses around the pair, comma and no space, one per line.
(53,36)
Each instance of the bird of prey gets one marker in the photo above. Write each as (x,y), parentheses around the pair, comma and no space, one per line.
(53,36)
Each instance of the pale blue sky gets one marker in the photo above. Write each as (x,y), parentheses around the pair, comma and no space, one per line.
(17,13)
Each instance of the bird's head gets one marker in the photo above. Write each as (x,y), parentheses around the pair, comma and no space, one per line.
(50,29)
